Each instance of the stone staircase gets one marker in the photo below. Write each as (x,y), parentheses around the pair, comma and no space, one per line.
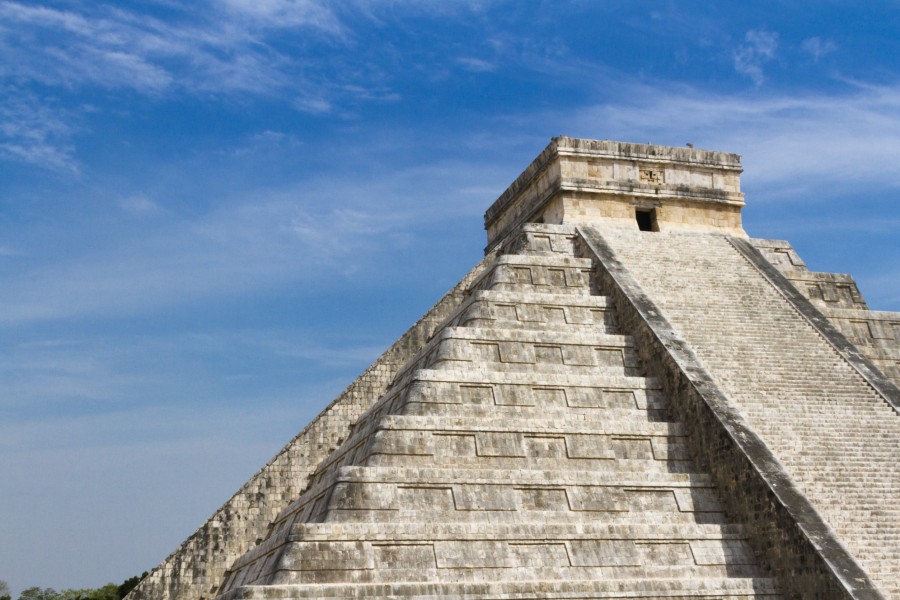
(833,433)
(875,333)
(520,454)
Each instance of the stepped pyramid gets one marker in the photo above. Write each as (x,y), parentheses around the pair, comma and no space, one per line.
(627,398)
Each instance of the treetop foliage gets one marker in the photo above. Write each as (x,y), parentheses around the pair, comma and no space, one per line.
(110,591)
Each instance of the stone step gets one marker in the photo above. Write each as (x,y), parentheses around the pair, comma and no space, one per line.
(633,589)
(862,519)
(526,378)
(554,409)
(637,459)
(584,337)
(832,417)
(485,400)
(590,302)
(859,497)
(556,260)
(571,425)
(561,516)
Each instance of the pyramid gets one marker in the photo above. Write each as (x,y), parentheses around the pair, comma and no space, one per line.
(627,398)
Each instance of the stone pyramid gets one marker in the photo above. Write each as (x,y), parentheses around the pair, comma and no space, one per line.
(627,398)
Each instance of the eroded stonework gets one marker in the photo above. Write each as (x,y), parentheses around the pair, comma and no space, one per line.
(626,398)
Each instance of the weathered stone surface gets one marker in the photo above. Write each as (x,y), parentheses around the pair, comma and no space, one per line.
(591,181)
(618,402)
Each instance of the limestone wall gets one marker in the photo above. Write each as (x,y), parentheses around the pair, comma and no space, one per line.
(195,569)
(584,181)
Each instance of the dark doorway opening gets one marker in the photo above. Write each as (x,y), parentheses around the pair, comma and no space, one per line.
(646,219)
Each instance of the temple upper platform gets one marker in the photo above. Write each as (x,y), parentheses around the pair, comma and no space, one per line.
(619,184)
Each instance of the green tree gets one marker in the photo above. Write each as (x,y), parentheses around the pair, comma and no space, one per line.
(107,592)
(110,591)
(127,585)
(37,593)
(73,594)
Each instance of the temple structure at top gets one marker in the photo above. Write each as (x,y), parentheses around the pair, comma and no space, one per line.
(657,188)
(628,397)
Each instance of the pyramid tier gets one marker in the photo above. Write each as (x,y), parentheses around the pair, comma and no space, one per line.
(536,310)
(418,494)
(565,441)
(524,274)
(541,239)
(525,394)
(515,392)
(552,352)
(361,552)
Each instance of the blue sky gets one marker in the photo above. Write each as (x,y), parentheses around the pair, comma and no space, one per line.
(214,214)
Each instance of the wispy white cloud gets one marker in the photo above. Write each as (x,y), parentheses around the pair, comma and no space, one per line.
(35,133)
(787,140)
(314,105)
(816,47)
(103,46)
(476,65)
(262,241)
(266,143)
(113,373)
(283,14)
(758,48)
(236,248)
(140,205)
(38,376)
(110,47)
(220,47)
